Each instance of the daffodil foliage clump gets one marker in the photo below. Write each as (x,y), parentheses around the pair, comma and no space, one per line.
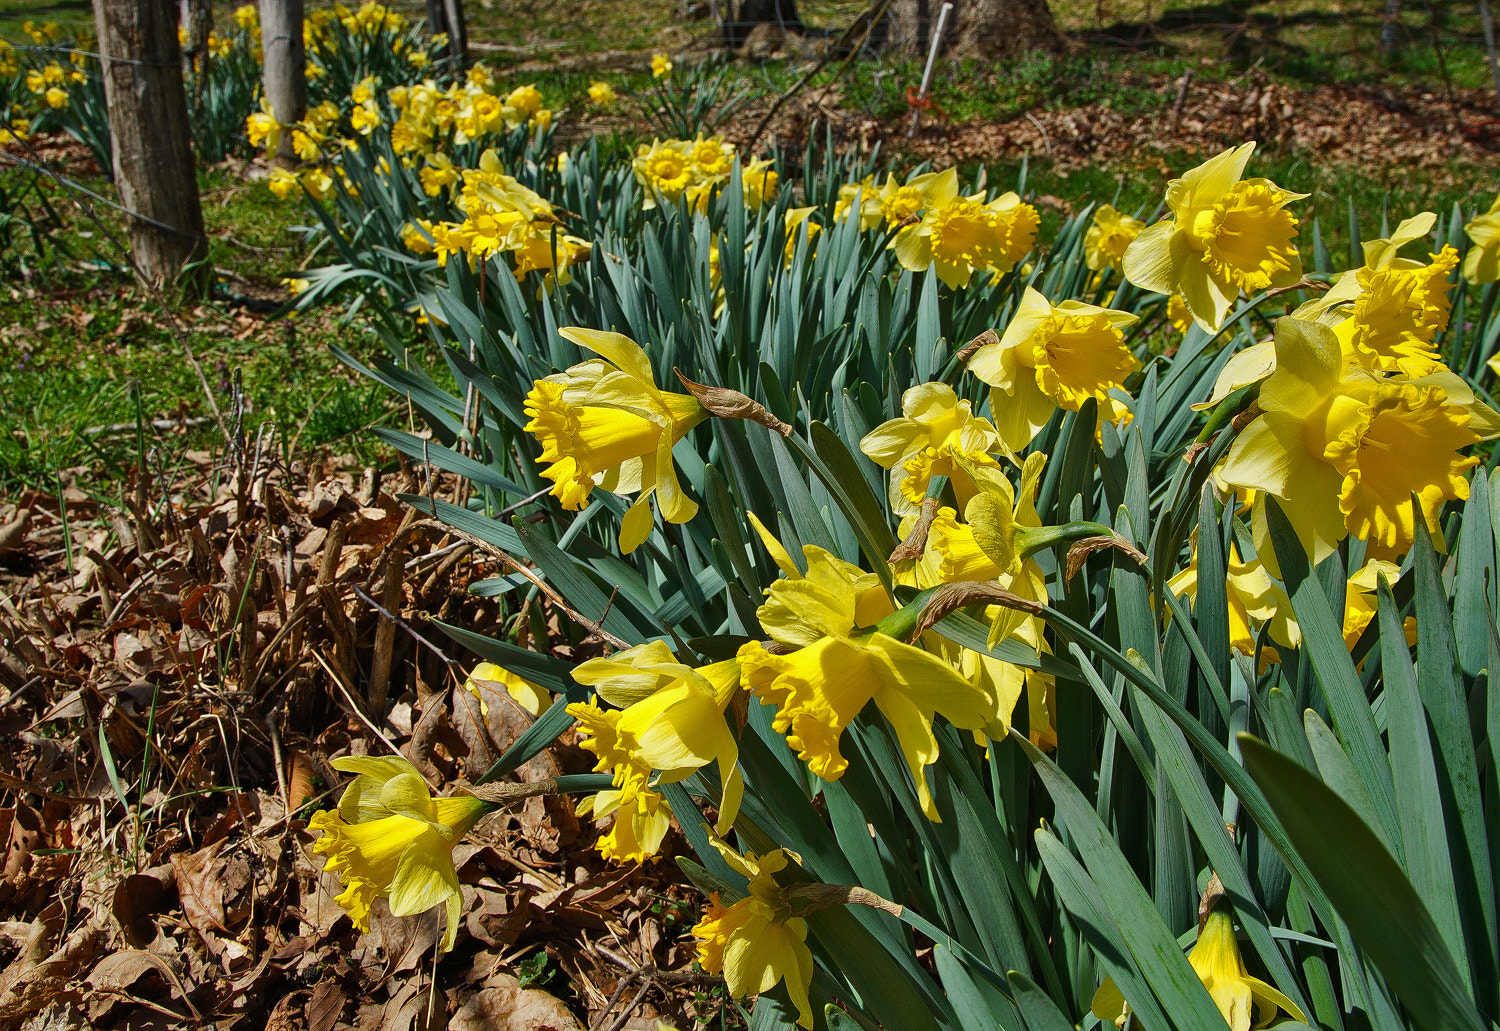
(1015,632)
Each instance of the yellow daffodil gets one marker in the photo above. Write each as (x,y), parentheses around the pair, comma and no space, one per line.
(1361,603)
(247,16)
(390,838)
(642,816)
(365,118)
(605,423)
(672,719)
(602,94)
(1344,450)
(661,66)
(1178,316)
(281,183)
(963,235)
(992,545)
(1482,263)
(263,129)
(1111,232)
(901,201)
(757,942)
(794,218)
(525,99)
(487,680)
(836,665)
(1226,235)
(57,97)
(1247,1003)
(712,157)
(664,170)
(1388,313)
(1254,600)
(936,435)
(759,182)
(860,200)
(1050,357)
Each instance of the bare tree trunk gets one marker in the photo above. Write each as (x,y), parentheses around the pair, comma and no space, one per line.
(782,14)
(152,147)
(446,17)
(285,74)
(976,28)
(1390,42)
(198,20)
(1488,21)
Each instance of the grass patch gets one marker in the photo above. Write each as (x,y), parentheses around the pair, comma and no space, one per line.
(85,353)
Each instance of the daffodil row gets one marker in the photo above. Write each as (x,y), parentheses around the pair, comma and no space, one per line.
(1346,417)
(37,81)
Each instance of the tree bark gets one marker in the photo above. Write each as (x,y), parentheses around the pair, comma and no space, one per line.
(151,145)
(976,28)
(198,21)
(780,13)
(285,68)
(446,17)
(1390,42)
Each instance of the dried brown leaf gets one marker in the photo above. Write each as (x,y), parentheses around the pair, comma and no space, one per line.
(509,1007)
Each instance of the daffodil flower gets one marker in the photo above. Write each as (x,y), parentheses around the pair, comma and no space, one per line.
(642,816)
(901,201)
(390,838)
(860,200)
(756,941)
(1050,357)
(1344,450)
(1002,531)
(602,94)
(672,720)
(1388,312)
(959,236)
(1226,235)
(604,423)
(1107,237)
(1178,316)
(1482,263)
(664,170)
(486,678)
(1361,600)
(936,435)
(1246,1002)
(830,664)
(1254,599)
(758,181)
(263,129)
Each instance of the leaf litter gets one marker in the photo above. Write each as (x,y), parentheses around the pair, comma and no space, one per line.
(176,672)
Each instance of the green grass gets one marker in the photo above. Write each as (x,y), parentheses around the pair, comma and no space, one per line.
(84,350)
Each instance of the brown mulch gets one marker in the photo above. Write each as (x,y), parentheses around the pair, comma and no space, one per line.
(1359,126)
(176,674)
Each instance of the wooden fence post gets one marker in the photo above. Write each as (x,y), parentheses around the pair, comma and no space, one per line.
(151,145)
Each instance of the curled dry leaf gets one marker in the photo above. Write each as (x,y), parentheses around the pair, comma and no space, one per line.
(509,1007)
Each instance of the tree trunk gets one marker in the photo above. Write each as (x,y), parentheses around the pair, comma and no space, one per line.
(446,17)
(782,14)
(152,148)
(976,28)
(1390,42)
(198,21)
(285,74)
